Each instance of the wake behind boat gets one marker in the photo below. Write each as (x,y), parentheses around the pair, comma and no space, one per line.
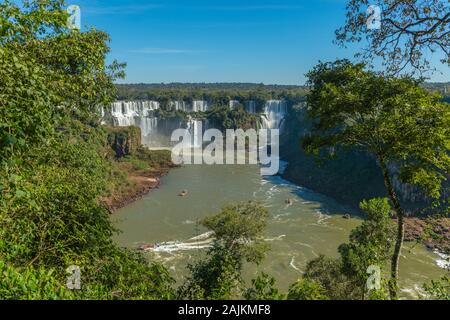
(202,241)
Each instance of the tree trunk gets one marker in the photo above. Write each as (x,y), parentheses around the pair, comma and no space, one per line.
(400,229)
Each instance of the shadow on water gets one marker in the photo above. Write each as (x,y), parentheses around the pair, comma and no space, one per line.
(326,204)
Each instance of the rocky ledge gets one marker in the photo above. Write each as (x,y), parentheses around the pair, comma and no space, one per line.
(433,233)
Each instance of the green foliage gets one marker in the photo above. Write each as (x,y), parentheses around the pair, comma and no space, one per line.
(237,118)
(402,125)
(220,117)
(171,114)
(329,274)
(217,94)
(305,289)
(30,284)
(238,230)
(156,158)
(75,64)
(371,244)
(25,103)
(263,289)
(393,119)
(125,274)
(439,290)
(124,140)
(53,163)
(52,209)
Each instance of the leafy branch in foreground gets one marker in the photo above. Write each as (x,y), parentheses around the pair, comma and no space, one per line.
(53,167)
(410,32)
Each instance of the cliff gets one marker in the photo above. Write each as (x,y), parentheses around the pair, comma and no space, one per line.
(124,140)
(349,178)
(134,170)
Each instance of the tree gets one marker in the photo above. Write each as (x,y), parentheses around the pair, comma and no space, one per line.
(409,31)
(52,163)
(237,118)
(305,289)
(439,290)
(325,277)
(370,243)
(238,233)
(263,289)
(346,277)
(403,126)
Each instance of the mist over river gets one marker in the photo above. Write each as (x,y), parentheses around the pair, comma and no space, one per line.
(299,231)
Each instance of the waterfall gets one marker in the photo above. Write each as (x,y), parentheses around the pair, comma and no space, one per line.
(178,106)
(195,128)
(199,105)
(274,114)
(273,117)
(251,106)
(102,115)
(234,104)
(157,132)
(128,113)
(136,113)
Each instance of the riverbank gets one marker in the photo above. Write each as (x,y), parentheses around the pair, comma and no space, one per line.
(433,233)
(134,170)
(134,173)
(136,185)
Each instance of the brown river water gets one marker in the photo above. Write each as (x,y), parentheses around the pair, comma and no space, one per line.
(310,225)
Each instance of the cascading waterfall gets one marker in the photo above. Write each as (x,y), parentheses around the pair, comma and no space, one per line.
(274,113)
(199,105)
(157,132)
(195,128)
(251,106)
(136,113)
(179,106)
(273,117)
(234,104)
(128,113)
(102,115)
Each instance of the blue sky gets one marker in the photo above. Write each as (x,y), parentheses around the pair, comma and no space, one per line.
(273,42)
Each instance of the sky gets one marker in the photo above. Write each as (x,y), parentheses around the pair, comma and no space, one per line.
(259,41)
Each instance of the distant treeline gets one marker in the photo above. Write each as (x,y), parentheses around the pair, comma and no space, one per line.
(222,93)
(211,86)
(215,93)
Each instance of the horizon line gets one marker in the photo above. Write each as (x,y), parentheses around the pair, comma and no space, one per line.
(237,82)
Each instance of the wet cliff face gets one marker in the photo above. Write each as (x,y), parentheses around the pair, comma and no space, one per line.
(124,140)
(349,178)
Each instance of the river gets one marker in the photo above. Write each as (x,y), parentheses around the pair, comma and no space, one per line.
(311,225)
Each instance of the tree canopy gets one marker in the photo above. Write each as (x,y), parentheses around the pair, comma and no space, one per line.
(54,166)
(409,31)
(403,126)
(238,232)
